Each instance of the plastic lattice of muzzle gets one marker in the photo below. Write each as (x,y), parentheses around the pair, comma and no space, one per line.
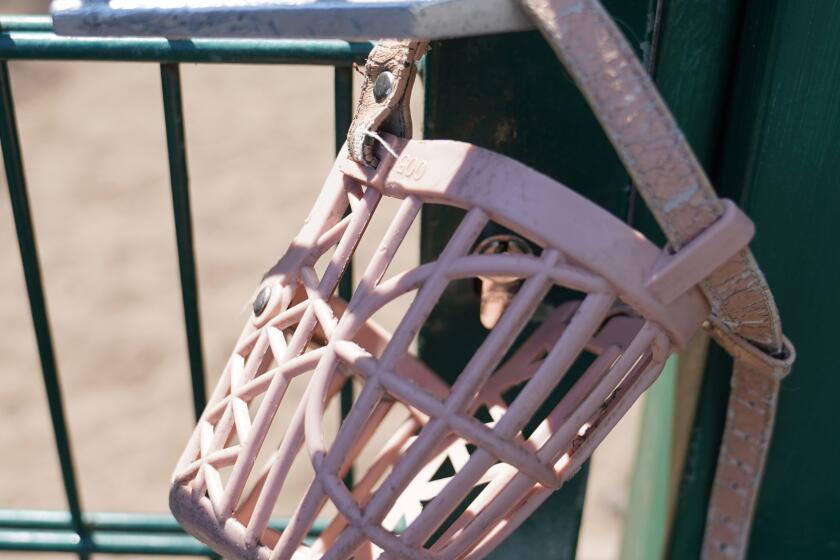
(467,463)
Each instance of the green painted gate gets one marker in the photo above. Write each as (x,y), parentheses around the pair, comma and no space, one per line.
(753,84)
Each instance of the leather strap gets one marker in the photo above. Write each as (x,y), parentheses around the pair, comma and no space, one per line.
(663,167)
(655,154)
(391,112)
(750,416)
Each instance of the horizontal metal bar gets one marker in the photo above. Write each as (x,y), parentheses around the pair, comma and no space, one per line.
(60,520)
(25,23)
(113,543)
(43,45)
(53,520)
(346,19)
(25,540)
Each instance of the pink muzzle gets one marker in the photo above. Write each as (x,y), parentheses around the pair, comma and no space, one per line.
(469,462)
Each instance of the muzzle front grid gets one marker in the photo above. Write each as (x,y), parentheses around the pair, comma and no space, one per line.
(469,462)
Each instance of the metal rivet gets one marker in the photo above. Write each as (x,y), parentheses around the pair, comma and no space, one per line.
(261,301)
(383,86)
(504,243)
(497,292)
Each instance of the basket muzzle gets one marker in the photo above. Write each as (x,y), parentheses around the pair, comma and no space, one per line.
(469,462)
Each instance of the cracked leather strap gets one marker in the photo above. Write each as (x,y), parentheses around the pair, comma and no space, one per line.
(391,112)
(750,416)
(663,167)
(674,186)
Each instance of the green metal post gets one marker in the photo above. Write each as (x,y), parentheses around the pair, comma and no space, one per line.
(343,102)
(176,144)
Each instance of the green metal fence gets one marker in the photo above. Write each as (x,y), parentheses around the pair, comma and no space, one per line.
(32,38)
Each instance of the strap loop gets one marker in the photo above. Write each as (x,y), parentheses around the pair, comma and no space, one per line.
(681,270)
(777,364)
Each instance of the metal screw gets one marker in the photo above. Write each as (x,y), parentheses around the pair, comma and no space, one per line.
(261,301)
(383,86)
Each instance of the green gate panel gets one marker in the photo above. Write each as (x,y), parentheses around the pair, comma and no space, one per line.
(691,67)
(646,521)
(508,93)
(31,38)
(781,158)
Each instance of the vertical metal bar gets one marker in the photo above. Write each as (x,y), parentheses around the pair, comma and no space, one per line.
(16,179)
(343,83)
(343,100)
(176,146)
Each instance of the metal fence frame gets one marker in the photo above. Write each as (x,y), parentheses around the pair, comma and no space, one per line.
(32,38)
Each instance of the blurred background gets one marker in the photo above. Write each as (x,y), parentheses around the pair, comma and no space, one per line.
(260,141)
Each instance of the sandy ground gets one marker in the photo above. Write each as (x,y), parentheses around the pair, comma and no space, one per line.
(260,141)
